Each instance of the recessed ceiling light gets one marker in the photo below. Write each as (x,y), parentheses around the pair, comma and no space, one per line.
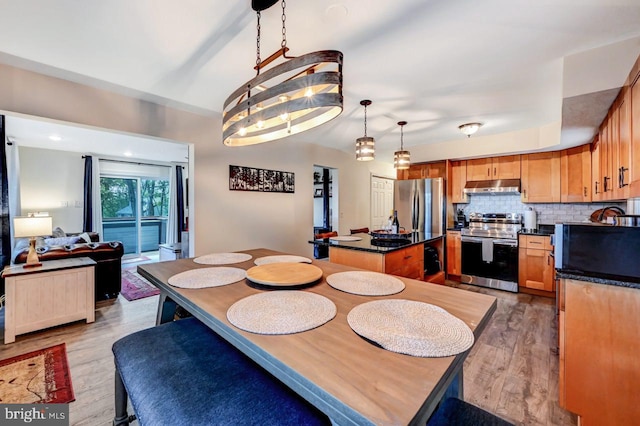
(128,154)
(55,138)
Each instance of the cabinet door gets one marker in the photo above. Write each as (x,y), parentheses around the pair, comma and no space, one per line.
(454,248)
(596,194)
(635,140)
(541,177)
(507,167)
(535,269)
(624,145)
(575,175)
(458,181)
(605,161)
(479,169)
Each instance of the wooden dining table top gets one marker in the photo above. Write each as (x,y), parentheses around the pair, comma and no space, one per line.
(349,378)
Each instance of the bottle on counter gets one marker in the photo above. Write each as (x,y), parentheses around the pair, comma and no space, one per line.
(395,227)
(389,222)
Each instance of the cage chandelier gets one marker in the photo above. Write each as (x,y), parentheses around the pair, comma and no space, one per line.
(292,97)
(366,145)
(402,158)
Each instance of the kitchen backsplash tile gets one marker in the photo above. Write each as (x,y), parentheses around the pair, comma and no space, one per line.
(548,213)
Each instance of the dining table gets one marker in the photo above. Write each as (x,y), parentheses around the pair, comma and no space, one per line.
(351,379)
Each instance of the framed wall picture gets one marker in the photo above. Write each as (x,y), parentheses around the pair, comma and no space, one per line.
(243,178)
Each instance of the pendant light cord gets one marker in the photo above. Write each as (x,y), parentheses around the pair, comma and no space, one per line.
(402,138)
(365,121)
(283,43)
(258,60)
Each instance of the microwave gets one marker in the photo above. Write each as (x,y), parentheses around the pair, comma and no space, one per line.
(601,251)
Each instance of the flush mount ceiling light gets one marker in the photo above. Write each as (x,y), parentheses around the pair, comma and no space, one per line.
(365,146)
(402,158)
(297,95)
(469,128)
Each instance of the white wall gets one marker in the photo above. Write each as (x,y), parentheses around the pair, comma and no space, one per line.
(52,181)
(220,219)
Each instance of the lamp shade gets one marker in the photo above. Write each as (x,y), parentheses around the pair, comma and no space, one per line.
(32,226)
(469,128)
(365,148)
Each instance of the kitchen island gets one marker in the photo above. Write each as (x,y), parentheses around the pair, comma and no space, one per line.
(342,374)
(404,257)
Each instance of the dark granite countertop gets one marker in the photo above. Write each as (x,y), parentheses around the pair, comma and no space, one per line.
(366,244)
(455,228)
(595,279)
(543,230)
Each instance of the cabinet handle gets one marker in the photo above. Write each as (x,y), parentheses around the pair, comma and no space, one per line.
(585,191)
(548,260)
(407,257)
(495,171)
(623,169)
(524,193)
(604,185)
(596,182)
(488,171)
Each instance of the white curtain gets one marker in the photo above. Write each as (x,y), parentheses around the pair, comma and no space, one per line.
(172,222)
(97,202)
(13,174)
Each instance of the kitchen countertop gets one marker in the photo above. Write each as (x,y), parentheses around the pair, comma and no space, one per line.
(543,230)
(366,245)
(595,280)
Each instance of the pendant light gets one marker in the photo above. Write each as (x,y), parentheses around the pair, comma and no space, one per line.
(297,95)
(402,158)
(365,146)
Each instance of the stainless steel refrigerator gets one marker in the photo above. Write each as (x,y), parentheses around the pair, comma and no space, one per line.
(420,204)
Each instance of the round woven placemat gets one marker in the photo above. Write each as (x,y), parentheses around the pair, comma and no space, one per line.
(222,258)
(345,238)
(207,277)
(281,312)
(412,328)
(365,283)
(284,258)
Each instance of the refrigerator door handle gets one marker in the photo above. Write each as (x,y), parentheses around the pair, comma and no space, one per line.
(415,206)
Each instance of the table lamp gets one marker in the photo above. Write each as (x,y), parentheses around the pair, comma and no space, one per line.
(32,227)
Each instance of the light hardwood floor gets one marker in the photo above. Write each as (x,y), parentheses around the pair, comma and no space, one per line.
(511,371)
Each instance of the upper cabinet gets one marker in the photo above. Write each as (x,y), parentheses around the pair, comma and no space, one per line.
(424,171)
(623,138)
(596,188)
(458,180)
(634,178)
(541,177)
(506,167)
(575,174)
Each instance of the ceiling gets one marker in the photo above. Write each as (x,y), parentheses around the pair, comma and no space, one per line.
(511,65)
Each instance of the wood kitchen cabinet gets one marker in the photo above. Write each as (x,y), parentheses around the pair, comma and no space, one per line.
(541,177)
(423,171)
(454,253)
(406,262)
(536,268)
(458,180)
(634,172)
(598,330)
(505,167)
(575,175)
(623,138)
(596,188)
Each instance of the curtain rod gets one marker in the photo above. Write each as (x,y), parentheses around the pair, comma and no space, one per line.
(133,162)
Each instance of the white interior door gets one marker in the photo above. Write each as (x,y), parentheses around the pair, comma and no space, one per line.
(381,201)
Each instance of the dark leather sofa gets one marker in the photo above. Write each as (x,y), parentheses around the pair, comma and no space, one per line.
(107,256)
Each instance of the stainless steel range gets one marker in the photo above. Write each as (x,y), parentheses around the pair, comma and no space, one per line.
(490,250)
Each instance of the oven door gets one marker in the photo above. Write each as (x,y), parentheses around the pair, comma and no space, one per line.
(490,262)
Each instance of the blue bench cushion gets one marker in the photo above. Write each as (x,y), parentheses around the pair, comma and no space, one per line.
(459,413)
(182,373)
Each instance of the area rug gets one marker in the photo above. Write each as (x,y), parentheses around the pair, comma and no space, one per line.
(135,287)
(40,376)
(135,259)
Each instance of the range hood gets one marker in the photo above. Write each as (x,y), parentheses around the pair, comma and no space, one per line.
(493,187)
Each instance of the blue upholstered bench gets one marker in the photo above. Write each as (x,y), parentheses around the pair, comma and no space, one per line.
(454,412)
(182,373)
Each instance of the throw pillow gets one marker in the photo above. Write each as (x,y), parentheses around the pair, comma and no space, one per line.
(61,241)
(85,237)
(58,233)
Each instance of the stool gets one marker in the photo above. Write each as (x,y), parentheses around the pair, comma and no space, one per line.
(182,373)
(459,413)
